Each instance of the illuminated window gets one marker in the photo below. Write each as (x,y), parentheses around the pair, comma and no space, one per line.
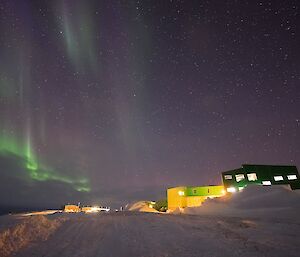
(228,177)
(239,177)
(266,183)
(278,178)
(292,177)
(252,176)
(231,189)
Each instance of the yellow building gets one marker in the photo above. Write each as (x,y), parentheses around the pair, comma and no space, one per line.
(71,208)
(181,197)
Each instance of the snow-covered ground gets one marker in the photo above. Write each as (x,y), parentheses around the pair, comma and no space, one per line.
(263,202)
(248,226)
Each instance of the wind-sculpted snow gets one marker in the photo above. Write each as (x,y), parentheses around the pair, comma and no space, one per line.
(141,206)
(136,234)
(254,201)
(25,232)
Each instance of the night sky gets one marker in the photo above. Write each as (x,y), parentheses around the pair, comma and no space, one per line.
(112,101)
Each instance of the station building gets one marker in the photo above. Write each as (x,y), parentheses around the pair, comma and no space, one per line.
(185,196)
(71,208)
(234,181)
(268,175)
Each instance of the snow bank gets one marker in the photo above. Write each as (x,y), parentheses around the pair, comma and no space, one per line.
(27,231)
(46,212)
(141,206)
(254,201)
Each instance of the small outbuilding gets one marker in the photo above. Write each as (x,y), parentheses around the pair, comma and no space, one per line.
(71,208)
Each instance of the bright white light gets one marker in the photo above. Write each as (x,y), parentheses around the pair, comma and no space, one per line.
(266,183)
(92,209)
(107,209)
(239,177)
(95,209)
(252,176)
(278,178)
(181,193)
(292,177)
(223,192)
(231,189)
(241,188)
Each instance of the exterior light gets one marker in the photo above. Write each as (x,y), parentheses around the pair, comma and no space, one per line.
(95,209)
(231,189)
(181,193)
(92,209)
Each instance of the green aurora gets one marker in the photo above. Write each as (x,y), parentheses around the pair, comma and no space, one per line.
(35,170)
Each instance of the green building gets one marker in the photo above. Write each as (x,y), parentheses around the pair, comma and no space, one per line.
(237,179)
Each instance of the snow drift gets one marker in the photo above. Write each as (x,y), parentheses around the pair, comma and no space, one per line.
(254,201)
(27,231)
(141,206)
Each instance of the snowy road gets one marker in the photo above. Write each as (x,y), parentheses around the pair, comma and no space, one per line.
(144,234)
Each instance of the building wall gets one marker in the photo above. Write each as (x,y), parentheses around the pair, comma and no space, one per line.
(194,201)
(86,209)
(264,173)
(176,197)
(71,208)
(181,197)
(205,191)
